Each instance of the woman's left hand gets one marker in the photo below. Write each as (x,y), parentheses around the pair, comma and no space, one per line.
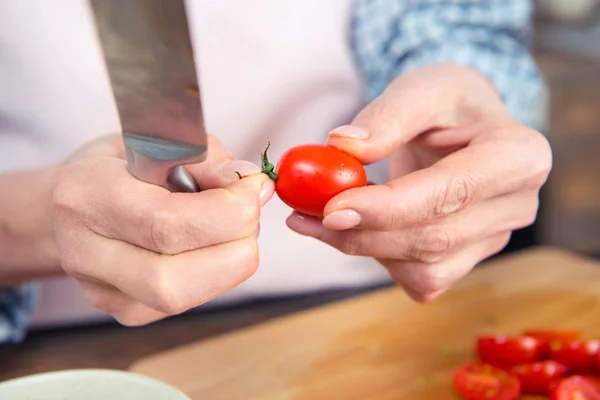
(464,175)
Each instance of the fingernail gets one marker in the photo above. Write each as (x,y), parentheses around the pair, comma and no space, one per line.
(266,192)
(243,167)
(342,220)
(350,131)
(305,225)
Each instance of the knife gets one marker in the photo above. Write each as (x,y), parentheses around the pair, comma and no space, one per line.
(150,62)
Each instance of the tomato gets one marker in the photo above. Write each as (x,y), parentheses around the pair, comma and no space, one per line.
(308,176)
(593,379)
(579,356)
(537,377)
(548,335)
(506,352)
(575,388)
(479,381)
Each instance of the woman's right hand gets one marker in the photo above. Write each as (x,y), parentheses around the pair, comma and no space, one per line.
(142,253)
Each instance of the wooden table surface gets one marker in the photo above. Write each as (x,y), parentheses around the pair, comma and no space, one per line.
(113,346)
(384,346)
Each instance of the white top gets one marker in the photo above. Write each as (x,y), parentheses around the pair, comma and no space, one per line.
(278,70)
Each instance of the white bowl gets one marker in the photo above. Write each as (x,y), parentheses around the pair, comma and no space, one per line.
(88,384)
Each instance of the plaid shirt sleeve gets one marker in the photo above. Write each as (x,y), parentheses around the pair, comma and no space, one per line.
(16,307)
(391,37)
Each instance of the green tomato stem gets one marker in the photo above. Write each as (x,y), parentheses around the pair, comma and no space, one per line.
(267,167)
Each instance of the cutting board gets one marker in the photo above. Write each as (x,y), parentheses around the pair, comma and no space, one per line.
(383,345)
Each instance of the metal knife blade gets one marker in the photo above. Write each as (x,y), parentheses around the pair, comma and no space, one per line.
(150,61)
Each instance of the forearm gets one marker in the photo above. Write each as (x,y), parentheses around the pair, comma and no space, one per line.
(27,245)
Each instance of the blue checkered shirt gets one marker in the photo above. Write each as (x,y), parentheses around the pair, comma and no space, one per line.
(391,37)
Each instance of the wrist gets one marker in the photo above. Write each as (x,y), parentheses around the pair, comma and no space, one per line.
(27,242)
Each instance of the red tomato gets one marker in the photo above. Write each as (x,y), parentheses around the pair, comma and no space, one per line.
(308,176)
(575,388)
(537,377)
(595,379)
(579,356)
(548,335)
(507,352)
(481,381)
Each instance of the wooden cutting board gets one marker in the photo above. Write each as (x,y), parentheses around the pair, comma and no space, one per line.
(383,345)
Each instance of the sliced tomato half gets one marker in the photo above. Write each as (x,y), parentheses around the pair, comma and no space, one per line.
(480,381)
(507,352)
(538,377)
(575,387)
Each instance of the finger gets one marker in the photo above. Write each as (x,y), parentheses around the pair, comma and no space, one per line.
(426,282)
(220,168)
(429,242)
(167,284)
(123,308)
(480,171)
(424,100)
(121,207)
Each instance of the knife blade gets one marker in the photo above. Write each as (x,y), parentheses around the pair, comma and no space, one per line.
(149,59)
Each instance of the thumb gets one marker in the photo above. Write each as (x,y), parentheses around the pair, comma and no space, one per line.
(417,102)
(220,168)
(258,186)
(221,173)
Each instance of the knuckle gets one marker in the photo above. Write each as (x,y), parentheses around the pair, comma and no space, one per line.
(537,155)
(165,230)
(100,301)
(65,194)
(167,298)
(457,193)
(73,261)
(71,267)
(428,287)
(431,244)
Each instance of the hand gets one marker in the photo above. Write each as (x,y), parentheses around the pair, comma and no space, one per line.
(142,253)
(464,175)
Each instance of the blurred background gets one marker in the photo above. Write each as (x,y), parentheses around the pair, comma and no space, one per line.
(567,46)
